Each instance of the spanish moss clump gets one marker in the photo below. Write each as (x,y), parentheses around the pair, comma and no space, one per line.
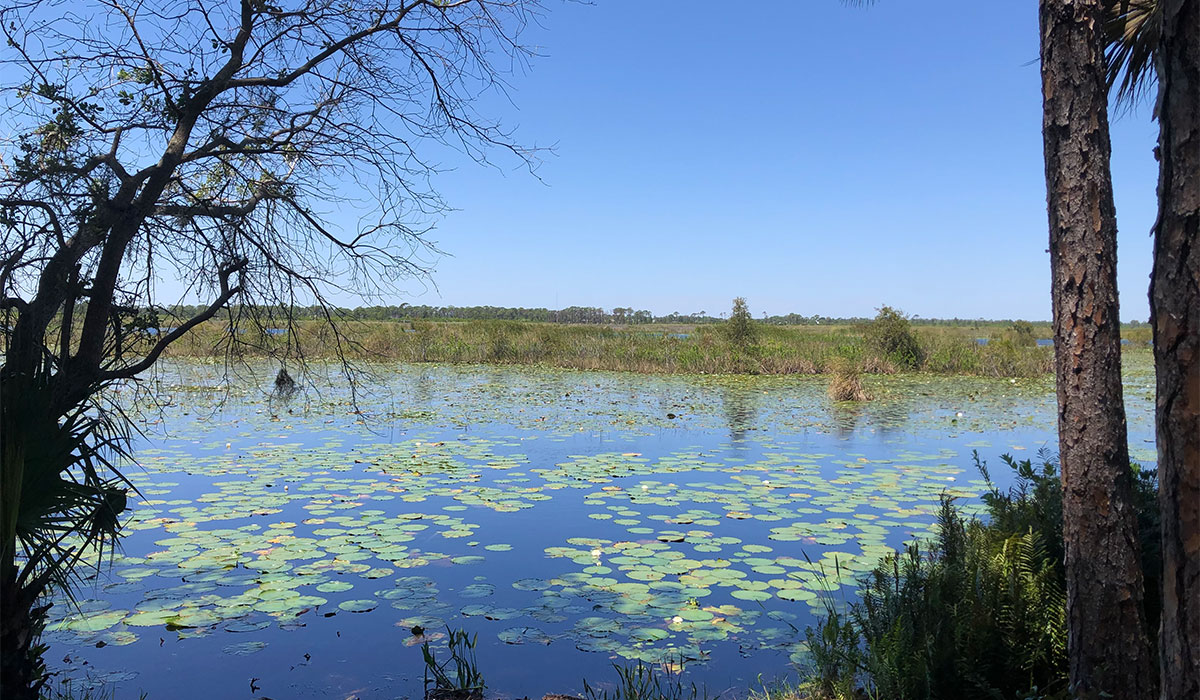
(284,384)
(846,382)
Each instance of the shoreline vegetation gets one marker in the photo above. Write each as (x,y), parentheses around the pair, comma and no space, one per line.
(887,345)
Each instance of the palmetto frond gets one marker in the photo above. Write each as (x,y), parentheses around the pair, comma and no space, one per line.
(72,494)
(1132,30)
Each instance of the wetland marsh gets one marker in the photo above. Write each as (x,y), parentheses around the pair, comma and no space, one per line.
(570,519)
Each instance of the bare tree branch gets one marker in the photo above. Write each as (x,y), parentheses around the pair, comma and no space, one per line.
(211,310)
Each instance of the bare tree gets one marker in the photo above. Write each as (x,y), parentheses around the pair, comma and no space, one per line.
(264,156)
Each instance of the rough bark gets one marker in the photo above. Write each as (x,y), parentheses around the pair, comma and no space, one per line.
(1175,317)
(1108,648)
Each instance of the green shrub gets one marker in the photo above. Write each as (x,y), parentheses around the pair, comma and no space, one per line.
(979,612)
(952,354)
(1023,334)
(740,329)
(1138,335)
(891,335)
(1004,358)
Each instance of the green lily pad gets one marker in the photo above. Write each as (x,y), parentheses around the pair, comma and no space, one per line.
(358,606)
(244,648)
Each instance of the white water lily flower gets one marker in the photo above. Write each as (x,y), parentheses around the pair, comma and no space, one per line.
(677,619)
(596,552)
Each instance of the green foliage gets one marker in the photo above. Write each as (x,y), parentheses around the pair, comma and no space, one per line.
(784,689)
(740,329)
(72,494)
(651,349)
(891,335)
(1131,32)
(458,675)
(643,682)
(1138,334)
(1004,358)
(1032,504)
(978,612)
(1023,334)
(834,647)
(982,614)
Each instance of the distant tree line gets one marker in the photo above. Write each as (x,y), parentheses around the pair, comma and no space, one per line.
(574,314)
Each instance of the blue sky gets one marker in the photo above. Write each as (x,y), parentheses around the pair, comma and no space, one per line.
(811,156)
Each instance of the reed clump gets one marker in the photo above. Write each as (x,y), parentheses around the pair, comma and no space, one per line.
(845,382)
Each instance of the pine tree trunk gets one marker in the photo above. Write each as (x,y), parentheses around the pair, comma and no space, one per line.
(1107,646)
(1175,316)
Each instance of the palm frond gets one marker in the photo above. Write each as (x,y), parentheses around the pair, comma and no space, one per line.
(72,495)
(1132,30)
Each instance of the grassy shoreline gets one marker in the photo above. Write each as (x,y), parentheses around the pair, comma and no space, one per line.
(667,349)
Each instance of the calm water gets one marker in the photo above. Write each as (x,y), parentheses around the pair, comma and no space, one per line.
(570,519)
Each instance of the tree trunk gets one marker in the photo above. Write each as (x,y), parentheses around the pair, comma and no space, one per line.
(1107,647)
(22,672)
(18,661)
(1175,317)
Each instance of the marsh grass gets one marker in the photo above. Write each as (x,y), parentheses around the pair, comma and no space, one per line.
(646,682)
(789,690)
(458,677)
(705,349)
(71,690)
(845,382)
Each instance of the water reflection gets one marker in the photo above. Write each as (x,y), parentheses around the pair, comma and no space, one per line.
(845,416)
(740,407)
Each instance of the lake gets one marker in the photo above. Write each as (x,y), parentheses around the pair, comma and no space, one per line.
(569,519)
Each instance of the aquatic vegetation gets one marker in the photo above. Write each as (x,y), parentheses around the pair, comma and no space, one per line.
(553,511)
(977,611)
(733,347)
(646,682)
(458,676)
(846,382)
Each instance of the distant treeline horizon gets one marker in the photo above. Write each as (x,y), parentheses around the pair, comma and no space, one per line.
(584,315)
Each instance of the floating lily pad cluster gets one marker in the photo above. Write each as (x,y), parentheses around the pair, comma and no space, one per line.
(289,530)
(558,403)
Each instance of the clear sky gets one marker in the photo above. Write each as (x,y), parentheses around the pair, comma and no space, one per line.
(810,156)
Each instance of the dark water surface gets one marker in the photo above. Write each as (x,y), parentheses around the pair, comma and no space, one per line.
(565,517)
